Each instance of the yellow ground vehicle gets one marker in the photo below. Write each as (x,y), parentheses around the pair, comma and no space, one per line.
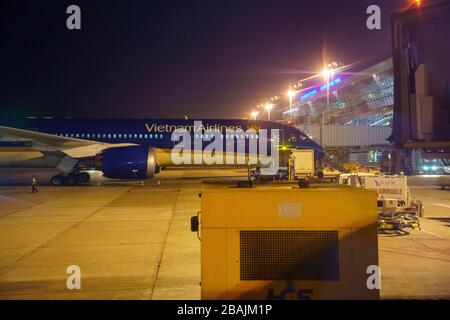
(283,242)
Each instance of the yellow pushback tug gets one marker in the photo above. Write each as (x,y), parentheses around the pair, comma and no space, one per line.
(285,242)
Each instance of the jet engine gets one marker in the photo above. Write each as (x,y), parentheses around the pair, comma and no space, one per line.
(133,162)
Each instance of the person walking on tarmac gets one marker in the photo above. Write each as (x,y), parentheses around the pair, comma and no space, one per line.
(33,184)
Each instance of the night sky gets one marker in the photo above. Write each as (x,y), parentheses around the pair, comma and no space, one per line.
(167,59)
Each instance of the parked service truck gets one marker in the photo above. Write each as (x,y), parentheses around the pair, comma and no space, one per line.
(303,162)
(397,208)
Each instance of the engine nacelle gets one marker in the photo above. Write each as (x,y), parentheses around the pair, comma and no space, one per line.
(134,162)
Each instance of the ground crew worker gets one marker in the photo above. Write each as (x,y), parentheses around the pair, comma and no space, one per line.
(33,184)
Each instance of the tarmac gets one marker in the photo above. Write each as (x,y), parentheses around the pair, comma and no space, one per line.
(134,242)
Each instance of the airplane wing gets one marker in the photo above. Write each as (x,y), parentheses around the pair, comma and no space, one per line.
(74,148)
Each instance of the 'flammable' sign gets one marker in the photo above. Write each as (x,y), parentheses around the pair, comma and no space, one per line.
(390,187)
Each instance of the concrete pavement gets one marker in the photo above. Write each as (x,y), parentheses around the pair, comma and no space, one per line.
(416,264)
(130,242)
(135,243)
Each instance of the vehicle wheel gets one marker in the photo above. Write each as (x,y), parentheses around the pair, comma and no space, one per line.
(57,180)
(303,183)
(84,177)
(71,180)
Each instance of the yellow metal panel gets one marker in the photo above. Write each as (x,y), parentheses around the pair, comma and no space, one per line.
(229,215)
(214,262)
(260,208)
(364,254)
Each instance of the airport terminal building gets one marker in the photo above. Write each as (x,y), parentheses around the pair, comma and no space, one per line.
(357,117)
(364,98)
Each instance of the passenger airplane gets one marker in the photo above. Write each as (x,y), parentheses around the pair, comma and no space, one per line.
(121,149)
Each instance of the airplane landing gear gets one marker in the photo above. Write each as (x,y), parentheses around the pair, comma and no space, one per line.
(84,177)
(57,180)
(70,179)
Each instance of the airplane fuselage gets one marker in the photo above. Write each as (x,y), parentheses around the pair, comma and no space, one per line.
(156,133)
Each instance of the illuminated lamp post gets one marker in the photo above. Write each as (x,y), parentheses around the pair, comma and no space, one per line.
(269,107)
(254,114)
(290,94)
(327,74)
